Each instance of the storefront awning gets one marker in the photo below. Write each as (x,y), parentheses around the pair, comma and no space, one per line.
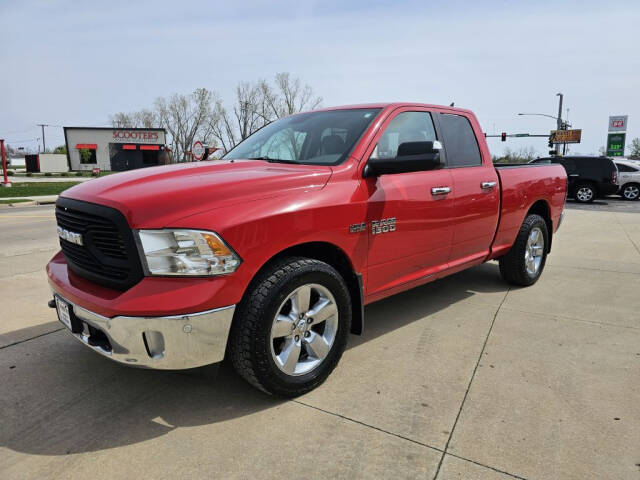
(89,146)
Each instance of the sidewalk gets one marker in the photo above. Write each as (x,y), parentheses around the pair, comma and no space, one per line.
(34,200)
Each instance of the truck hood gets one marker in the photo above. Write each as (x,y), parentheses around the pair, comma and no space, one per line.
(158,197)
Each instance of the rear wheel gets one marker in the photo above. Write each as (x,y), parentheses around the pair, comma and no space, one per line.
(525,261)
(630,191)
(291,329)
(585,193)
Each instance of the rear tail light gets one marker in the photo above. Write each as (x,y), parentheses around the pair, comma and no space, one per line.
(614,177)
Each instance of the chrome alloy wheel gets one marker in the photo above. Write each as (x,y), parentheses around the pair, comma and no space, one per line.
(584,194)
(304,329)
(631,192)
(534,251)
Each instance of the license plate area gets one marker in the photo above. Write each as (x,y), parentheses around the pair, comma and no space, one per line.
(66,315)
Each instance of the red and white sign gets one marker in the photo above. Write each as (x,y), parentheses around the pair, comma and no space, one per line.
(618,123)
(197,150)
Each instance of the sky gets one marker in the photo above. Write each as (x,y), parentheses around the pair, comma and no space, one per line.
(76,63)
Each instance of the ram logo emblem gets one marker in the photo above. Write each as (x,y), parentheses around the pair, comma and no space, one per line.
(70,236)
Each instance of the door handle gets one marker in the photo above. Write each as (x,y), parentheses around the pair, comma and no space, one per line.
(487,185)
(440,190)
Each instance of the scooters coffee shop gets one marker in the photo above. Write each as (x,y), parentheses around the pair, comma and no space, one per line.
(115,149)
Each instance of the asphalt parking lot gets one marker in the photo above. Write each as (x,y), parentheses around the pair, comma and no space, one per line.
(461,378)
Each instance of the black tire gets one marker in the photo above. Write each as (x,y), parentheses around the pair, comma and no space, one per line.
(512,265)
(584,193)
(630,191)
(250,337)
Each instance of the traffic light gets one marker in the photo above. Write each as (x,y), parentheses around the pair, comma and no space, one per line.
(550,143)
(503,136)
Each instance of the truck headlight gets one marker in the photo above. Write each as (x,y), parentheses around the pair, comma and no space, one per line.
(185,253)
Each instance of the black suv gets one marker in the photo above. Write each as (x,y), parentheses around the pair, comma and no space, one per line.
(589,177)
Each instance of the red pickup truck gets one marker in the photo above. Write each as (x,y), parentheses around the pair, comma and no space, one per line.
(269,255)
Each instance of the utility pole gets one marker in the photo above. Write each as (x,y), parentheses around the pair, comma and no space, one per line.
(44,145)
(560,125)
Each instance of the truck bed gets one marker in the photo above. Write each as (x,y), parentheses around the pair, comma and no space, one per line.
(523,188)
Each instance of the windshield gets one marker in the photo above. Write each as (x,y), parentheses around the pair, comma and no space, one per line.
(316,138)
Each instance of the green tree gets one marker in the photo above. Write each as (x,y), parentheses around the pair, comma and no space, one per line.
(634,149)
(60,149)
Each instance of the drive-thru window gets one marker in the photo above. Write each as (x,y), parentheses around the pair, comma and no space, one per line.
(115,149)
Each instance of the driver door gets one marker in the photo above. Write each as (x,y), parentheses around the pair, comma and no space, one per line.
(408,214)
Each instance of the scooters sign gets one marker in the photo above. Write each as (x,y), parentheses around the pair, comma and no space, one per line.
(197,150)
(138,136)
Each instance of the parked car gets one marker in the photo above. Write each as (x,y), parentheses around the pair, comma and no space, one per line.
(629,179)
(589,177)
(269,255)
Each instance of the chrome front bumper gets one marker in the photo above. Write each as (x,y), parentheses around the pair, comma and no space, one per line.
(169,343)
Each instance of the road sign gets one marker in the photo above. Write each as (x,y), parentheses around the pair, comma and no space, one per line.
(521,135)
(565,136)
(615,144)
(618,123)
(197,150)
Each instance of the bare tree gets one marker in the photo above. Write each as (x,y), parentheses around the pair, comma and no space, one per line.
(144,118)
(186,118)
(121,120)
(248,115)
(258,104)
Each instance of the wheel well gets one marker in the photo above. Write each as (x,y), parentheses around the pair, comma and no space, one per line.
(542,208)
(334,256)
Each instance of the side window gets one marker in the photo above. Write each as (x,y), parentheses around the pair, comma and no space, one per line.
(405,127)
(460,142)
(625,168)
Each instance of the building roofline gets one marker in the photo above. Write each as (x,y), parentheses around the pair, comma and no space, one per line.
(115,128)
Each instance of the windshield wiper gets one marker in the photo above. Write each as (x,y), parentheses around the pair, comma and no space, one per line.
(273,160)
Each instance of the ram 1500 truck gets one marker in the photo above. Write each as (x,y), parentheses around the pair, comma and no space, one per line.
(269,255)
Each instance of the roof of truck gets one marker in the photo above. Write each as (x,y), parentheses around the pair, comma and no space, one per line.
(394,105)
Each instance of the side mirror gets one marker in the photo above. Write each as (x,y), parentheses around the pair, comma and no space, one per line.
(411,157)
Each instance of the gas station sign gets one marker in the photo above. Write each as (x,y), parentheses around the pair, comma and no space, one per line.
(617,135)
(618,123)
(615,144)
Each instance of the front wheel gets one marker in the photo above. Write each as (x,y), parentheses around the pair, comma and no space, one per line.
(525,261)
(291,328)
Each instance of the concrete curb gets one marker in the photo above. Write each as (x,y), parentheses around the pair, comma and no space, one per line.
(46,200)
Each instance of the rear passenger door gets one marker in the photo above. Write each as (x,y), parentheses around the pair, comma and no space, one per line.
(571,168)
(476,192)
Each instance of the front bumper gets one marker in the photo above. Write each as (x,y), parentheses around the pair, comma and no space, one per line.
(169,343)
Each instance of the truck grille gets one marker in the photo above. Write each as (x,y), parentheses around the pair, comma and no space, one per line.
(107,253)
